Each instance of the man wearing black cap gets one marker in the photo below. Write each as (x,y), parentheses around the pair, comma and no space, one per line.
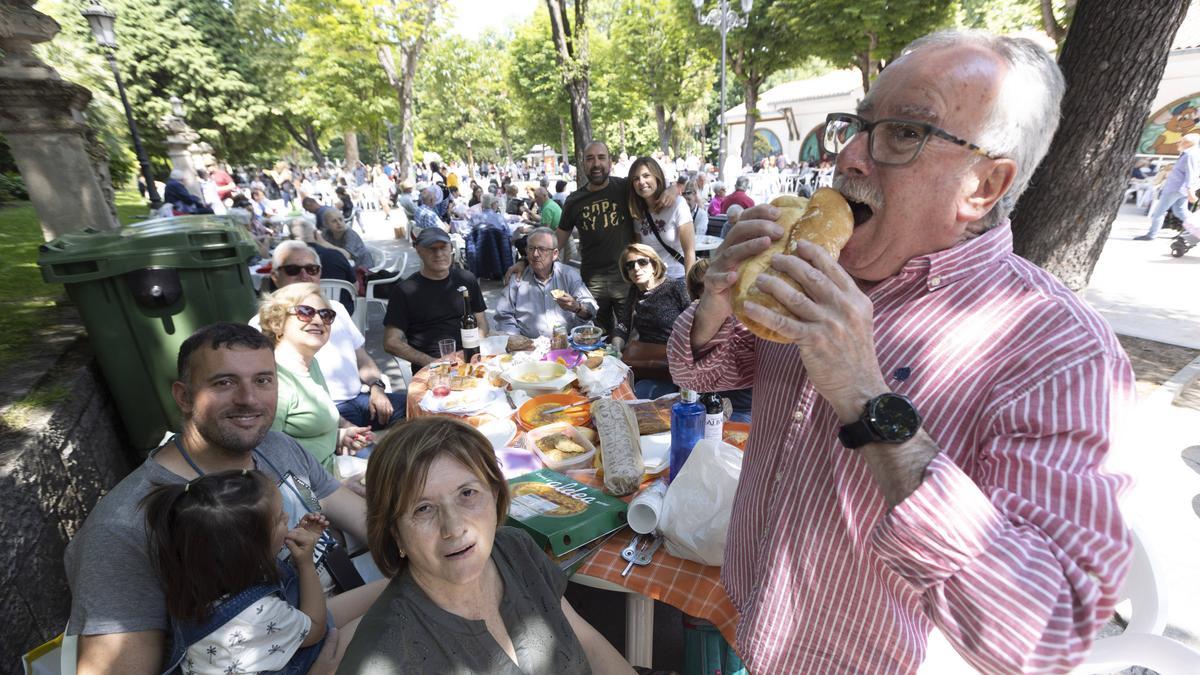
(427,306)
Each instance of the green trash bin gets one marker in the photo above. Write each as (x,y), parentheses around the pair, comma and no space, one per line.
(141,291)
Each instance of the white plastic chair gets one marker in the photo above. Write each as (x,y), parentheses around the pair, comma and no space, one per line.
(373,292)
(405,368)
(332,290)
(1141,644)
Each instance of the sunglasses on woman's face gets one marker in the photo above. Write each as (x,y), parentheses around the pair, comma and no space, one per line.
(294,270)
(636,262)
(306,313)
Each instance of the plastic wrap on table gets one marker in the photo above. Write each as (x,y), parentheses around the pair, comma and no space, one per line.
(620,446)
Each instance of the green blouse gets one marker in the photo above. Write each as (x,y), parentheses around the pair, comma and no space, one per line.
(305,412)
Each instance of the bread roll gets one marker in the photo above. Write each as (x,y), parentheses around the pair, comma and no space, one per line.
(827,222)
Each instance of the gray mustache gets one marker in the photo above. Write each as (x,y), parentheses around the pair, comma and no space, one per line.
(858,190)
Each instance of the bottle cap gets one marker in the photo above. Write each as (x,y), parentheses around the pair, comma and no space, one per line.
(688,396)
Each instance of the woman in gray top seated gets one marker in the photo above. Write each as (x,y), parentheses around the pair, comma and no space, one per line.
(466,595)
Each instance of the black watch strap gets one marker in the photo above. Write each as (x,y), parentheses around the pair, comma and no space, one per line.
(377,383)
(856,434)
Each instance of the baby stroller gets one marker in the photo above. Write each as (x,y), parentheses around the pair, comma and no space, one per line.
(1189,235)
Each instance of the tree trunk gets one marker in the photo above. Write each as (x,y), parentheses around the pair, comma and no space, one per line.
(1050,24)
(470,159)
(752,85)
(350,137)
(571,52)
(867,64)
(621,126)
(664,128)
(308,140)
(314,143)
(1064,220)
(562,133)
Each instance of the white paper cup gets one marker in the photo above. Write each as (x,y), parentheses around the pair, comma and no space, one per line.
(645,508)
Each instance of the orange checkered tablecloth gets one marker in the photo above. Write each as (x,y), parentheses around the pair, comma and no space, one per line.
(688,586)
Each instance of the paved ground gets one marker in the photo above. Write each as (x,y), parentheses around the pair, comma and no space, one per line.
(1145,295)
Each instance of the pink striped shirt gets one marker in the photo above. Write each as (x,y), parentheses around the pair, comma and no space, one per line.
(1012,545)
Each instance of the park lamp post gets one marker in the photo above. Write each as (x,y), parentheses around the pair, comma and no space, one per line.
(724,19)
(103,23)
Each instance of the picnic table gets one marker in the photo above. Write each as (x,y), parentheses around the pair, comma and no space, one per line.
(692,588)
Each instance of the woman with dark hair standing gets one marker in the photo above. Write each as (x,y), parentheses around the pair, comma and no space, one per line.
(668,231)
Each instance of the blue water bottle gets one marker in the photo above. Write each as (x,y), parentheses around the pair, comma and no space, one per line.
(687,427)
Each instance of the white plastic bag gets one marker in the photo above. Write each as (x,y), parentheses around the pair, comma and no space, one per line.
(695,513)
(604,379)
(1192,223)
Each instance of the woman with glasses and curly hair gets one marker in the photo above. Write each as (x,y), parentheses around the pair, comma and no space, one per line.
(297,319)
(668,231)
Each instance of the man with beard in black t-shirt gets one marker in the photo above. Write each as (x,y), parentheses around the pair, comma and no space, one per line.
(600,212)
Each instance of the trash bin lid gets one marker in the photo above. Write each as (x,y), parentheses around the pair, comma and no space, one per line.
(177,242)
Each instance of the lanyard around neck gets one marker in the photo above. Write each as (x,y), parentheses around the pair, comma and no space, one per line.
(256,455)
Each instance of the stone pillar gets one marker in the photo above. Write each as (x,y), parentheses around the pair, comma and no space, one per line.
(202,154)
(41,115)
(180,138)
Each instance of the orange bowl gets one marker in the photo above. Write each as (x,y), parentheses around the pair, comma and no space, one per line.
(735,434)
(529,416)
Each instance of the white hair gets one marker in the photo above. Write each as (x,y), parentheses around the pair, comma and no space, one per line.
(287,248)
(1025,115)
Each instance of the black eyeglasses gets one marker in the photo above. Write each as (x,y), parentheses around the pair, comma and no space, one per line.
(541,249)
(294,270)
(636,262)
(306,314)
(889,141)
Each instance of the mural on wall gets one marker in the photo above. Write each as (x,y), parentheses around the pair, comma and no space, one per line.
(1164,129)
(766,144)
(811,150)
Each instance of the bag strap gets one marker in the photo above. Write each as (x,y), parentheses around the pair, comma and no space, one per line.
(657,235)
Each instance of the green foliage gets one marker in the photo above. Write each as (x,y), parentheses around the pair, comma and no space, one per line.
(1003,16)
(813,66)
(864,32)
(657,63)
(336,77)
(12,187)
(461,104)
(534,83)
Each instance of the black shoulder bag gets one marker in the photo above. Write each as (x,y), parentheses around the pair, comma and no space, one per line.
(658,235)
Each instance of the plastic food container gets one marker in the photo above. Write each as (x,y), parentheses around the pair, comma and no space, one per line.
(581,460)
(587,336)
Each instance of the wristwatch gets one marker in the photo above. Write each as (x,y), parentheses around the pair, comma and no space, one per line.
(887,418)
(366,388)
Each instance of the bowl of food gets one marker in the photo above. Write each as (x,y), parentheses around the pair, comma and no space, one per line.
(539,376)
(587,336)
(533,413)
(560,446)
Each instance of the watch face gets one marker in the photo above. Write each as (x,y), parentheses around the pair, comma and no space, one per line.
(894,418)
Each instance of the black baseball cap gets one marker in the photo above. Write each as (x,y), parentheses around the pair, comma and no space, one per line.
(432,235)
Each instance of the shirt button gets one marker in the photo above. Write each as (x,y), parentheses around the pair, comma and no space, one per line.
(934,282)
(798,416)
(778,476)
